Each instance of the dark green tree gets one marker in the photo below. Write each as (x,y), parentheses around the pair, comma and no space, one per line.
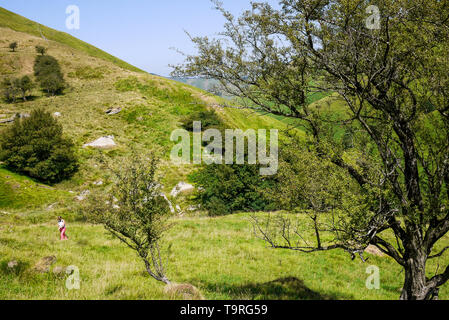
(13,46)
(36,147)
(49,75)
(389,69)
(10,91)
(25,85)
(41,50)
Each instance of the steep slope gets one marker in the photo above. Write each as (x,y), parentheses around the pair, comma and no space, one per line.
(151,106)
(16,22)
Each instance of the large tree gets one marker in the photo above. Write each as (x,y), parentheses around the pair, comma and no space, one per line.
(388,63)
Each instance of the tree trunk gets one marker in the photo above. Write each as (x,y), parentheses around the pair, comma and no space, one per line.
(415,283)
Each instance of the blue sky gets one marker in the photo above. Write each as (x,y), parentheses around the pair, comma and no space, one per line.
(140,32)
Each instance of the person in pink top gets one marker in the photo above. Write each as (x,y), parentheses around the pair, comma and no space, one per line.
(62,228)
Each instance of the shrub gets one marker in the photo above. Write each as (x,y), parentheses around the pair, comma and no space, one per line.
(35,146)
(134,210)
(12,88)
(9,90)
(49,75)
(41,50)
(209,119)
(226,189)
(13,46)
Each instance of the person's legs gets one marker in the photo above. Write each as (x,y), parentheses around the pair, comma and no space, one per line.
(64,235)
(61,231)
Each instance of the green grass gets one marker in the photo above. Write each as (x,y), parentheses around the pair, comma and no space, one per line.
(220,256)
(18,192)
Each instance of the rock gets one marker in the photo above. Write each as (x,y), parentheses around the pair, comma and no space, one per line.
(374,251)
(98,183)
(183,291)
(103,142)
(43,266)
(172,210)
(59,271)
(83,195)
(50,207)
(113,111)
(181,187)
(13,264)
(57,114)
(192,208)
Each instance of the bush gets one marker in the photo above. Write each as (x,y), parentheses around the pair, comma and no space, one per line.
(49,75)
(12,88)
(35,146)
(226,189)
(209,119)
(41,50)
(13,46)
(9,90)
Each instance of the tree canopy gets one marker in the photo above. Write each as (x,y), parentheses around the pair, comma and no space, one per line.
(392,79)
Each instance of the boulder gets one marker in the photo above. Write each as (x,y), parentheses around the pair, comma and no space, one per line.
(59,271)
(57,114)
(83,195)
(43,266)
(13,264)
(113,111)
(103,142)
(172,210)
(180,188)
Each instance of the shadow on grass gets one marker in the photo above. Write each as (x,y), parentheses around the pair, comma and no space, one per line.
(289,288)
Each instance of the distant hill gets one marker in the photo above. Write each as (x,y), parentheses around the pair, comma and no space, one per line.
(210,85)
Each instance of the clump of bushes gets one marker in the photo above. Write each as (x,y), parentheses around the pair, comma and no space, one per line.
(15,88)
(209,119)
(49,75)
(225,189)
(36,147)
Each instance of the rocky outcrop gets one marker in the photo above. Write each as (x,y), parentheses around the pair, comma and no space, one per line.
(102,143)
(180,188)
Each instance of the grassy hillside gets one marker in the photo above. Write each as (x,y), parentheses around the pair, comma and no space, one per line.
(220,256)
(16,22)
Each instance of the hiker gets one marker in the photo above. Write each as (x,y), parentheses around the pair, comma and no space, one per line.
(61,225)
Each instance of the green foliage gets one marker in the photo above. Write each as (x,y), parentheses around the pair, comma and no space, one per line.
(49,75)
(35,146)
(13,46)
(17,87)
(208,118)
(135,211)
(226,189)
(41,50)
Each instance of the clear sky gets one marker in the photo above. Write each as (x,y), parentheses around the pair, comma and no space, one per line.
(140,32)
